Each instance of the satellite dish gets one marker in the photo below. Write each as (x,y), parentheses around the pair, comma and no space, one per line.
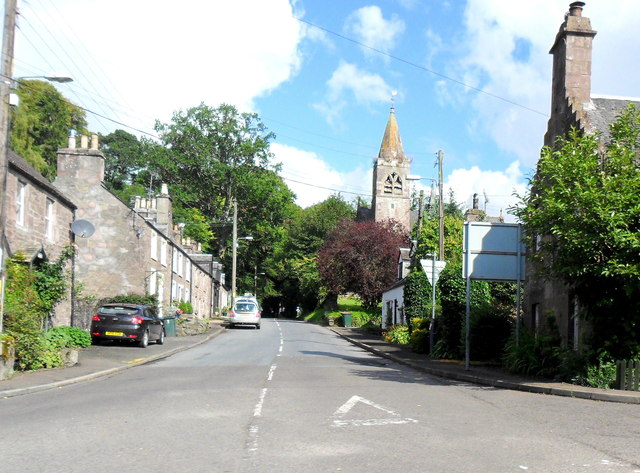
(82,228)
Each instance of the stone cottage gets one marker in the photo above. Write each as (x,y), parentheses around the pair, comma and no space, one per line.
(38,221)
(133,249)
(572,105)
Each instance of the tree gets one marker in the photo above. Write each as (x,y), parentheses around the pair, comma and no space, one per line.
(296,257)
(360,257)
(209,156)
(41,123)
(124,159)
(584,203)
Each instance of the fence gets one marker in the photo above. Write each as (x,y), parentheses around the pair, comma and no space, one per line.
(628,375)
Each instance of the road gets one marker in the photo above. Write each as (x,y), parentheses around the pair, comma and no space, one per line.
(295,397)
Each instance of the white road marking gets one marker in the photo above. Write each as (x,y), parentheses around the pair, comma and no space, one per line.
(395,418)
(257,412)
(271,370)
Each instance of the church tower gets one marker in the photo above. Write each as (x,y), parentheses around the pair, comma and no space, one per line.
(391,199)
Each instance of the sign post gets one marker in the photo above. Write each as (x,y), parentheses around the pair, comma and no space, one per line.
(492,252)
(432,269)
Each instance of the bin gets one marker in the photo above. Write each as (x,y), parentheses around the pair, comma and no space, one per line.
(346,319)
(169,326)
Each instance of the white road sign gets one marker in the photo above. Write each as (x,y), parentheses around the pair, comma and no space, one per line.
(427,266)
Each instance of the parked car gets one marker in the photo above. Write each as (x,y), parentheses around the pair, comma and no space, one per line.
(134,322)
(245,311)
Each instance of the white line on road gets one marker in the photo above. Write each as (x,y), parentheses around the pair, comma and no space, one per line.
(271,370)
(394,418)
(257,412)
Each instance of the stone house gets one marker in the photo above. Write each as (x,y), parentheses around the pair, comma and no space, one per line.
(133,249)
(38,221)
(572,105)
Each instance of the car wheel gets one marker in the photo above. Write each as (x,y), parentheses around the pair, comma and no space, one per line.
(95,341)
(160,341)
(230,326)
(257,326)
(144,341)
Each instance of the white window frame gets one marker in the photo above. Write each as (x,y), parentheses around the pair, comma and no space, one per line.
(49,218)
(154,246)
(187,269)
(180,265)
(153,281)
(20,202)
(174,288)
(174,260)
(163,252)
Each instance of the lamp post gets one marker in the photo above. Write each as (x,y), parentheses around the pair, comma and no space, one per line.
(234,252)
(255,280)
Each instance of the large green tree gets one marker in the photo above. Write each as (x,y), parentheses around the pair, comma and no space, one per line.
(584,203)
(296,258)
(211,156)
(40,124)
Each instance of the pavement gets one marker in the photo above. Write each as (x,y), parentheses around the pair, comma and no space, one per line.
(108,359)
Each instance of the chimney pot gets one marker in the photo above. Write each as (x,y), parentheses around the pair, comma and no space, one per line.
(164,190)
(94,141)
(575,8)
(84,142)
(72,142)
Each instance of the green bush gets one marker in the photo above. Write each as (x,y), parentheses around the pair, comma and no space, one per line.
(420,340)
(185,307)
(490,331)
(150,300)
(68,337)
(398,334)
(536,356)
(34,352)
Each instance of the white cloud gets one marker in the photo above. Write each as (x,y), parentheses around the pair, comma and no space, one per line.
(370,28)
(498,186)
(313,180)
(350,82)
(508,57)
(159,58)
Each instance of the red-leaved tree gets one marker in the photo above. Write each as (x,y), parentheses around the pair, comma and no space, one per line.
(361,257)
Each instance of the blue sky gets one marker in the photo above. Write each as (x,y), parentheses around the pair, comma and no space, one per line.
(472,78)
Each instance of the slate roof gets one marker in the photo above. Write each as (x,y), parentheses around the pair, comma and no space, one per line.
(604,110)
(21,166)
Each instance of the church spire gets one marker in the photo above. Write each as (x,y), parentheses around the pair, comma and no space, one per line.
(391,147)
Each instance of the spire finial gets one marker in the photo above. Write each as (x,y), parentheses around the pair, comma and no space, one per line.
(393,98)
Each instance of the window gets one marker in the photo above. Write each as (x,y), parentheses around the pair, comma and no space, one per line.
(393,184)
(152,281)
(174,260)
(20,197)
(187,295)
(48,220)
(174,288)
(187,269)
(180,265)
(154,246)
(163,252)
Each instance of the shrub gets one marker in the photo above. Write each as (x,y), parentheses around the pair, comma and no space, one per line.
(490,330)
(34,352)
(419,338)
(185,307)
(150,300)
(68,337)
(398,334)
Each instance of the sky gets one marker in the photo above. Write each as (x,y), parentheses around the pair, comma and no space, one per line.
(470,78)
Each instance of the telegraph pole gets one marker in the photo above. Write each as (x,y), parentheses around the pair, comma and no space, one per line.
(6,73)
(440,210)
(234,243)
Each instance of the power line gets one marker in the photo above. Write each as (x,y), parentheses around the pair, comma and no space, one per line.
(418,66)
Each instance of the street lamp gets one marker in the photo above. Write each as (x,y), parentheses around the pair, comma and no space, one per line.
(60,78)
(255,280)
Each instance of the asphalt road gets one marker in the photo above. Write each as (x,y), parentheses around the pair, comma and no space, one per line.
(295,397)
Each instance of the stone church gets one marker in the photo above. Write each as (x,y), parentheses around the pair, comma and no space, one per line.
(391,197)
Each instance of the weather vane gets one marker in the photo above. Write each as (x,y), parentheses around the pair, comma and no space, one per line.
(393,97)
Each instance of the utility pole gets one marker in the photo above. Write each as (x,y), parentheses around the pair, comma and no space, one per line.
(440,210)
(6,73)
(234,243)
(414,257)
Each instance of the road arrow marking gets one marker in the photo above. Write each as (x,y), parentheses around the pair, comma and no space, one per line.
(395,418)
